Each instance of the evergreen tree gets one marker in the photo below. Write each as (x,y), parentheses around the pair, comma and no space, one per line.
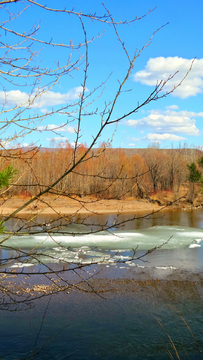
(200,162)
(195,175)
(6,177)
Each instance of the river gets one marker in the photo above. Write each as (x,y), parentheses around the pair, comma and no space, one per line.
(153,306)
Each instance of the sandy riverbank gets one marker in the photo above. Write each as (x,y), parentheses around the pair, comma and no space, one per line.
(67,206)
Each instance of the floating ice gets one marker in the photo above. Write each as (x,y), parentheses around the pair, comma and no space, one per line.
(194,246)
(20,265)
(104,247)
(165,267)
(198,240)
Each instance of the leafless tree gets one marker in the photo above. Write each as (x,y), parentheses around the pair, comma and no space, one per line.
(22,66)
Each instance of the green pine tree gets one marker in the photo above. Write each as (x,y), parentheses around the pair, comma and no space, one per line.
(6,177)
(200,162)
(195,175)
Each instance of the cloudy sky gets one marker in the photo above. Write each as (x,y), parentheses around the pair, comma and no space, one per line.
(171,121)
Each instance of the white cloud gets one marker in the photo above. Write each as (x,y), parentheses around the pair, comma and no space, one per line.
(159,137)
(161,68)
(49,98)
(67,128)
(132,145)
(6,144)
(187,113)
(172,107)
(169,122)
(57,128)
(73,144)
(57,138)
(44,111)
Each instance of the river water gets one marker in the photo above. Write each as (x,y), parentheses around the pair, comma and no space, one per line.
(152,309)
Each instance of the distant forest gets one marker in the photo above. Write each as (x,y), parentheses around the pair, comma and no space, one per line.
(105,173)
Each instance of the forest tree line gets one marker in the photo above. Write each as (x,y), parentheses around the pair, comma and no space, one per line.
(106,172)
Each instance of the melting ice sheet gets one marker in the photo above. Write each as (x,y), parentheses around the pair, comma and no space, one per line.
(102,247)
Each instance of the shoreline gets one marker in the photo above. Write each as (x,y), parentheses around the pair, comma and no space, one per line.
(62,206)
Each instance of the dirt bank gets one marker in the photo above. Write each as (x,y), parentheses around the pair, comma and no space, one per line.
(66,206)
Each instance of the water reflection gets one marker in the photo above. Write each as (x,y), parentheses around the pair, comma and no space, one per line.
(190,218)
(141,220)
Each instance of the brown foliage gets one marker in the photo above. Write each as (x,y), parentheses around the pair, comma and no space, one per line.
(104,173)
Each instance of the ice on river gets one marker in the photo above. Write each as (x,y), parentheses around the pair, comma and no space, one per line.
(104,247)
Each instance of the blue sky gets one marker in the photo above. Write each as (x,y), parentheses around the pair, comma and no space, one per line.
(171,121)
